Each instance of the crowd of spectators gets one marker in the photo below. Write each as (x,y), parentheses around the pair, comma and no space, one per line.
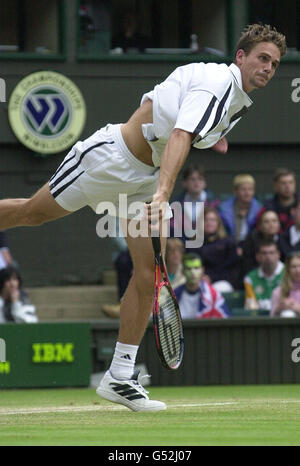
(251,245)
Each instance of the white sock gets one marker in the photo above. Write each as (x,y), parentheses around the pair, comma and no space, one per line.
(122,365)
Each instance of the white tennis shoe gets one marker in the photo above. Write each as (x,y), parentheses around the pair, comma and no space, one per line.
(129,393)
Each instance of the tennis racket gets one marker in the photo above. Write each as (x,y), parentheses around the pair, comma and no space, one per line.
(167,321)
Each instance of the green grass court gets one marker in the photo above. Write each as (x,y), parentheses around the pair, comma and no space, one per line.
(219,415)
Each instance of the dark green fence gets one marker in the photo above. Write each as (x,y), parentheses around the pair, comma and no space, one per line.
(231,351)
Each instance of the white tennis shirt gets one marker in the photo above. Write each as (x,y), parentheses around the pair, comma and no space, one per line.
(206,99)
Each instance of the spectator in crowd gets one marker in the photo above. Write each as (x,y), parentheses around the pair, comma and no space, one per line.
(197,298)
(218,253)
(285,197)
(260,282)
(195,192)
(286,297)
(5,256)
(289,240)
(95,26)
(268,227)
(239,212)
(174,255)
(129,39)
(14,301)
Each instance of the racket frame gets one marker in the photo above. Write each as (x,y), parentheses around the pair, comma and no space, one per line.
(160,270)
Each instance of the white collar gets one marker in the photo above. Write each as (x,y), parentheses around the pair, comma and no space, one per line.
(277,271)
(237,74)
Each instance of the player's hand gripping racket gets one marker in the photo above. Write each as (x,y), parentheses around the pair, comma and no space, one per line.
(167,321)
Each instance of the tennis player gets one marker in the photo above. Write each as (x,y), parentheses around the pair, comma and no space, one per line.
(195,106)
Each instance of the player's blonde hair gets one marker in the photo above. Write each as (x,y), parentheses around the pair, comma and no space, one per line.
(253,34)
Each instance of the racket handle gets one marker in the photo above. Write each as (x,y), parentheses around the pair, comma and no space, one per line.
(156,244)
(155,240)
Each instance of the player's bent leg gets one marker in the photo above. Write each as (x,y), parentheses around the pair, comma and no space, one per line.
(137,301)
(42,208)
(38,209)
(135,312)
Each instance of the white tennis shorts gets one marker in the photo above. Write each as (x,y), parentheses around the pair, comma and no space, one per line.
(99,169)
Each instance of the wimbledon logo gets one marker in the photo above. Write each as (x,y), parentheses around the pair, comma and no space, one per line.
(47,112)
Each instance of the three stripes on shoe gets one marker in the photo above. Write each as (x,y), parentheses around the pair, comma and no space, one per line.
(127,391)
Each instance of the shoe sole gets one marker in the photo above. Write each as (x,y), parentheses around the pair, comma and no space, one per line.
(114,398)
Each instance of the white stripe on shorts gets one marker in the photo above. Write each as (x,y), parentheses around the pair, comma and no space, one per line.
(70,156)
(64,178)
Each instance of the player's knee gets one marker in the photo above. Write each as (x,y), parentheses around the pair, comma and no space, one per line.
(145,279)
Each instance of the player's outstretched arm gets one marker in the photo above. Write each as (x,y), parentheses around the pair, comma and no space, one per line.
(173,158)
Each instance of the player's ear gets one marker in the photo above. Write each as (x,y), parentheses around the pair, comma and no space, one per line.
(239,56)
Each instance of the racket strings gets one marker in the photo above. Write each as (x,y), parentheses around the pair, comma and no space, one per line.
(170,331)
